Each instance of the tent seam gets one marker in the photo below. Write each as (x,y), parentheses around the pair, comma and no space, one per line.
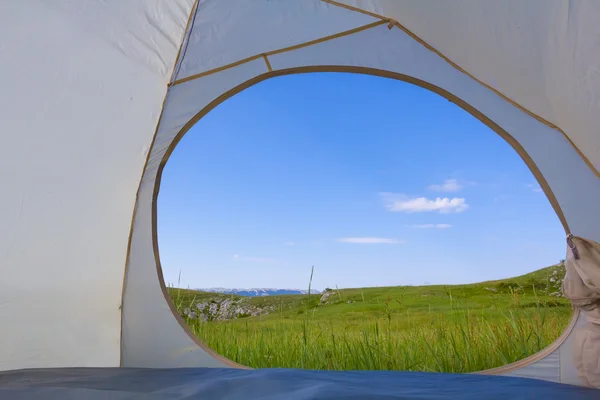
(281,50)
(459,68)
(264,56)
(186,40)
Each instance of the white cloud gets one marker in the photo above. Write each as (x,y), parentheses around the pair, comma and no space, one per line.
(535,187)
(397,202)
(369,240)
(430,226)
(449,185)
(237,257)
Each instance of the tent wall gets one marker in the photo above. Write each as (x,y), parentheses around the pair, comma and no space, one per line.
(81,89)
(376,50)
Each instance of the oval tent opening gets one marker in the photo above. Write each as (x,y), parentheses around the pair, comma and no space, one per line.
(406,206)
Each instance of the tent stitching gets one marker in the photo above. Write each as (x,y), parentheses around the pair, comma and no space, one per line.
(264,56)
(279,51)
(188,31)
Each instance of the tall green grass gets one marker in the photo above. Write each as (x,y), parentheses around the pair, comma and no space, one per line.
(456,339)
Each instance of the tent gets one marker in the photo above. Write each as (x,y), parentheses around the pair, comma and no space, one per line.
(95,95)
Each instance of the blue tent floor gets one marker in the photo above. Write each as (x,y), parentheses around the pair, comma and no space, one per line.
(272,384)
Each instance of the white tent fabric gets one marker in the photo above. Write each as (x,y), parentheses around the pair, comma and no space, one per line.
(96,94)
(81,89)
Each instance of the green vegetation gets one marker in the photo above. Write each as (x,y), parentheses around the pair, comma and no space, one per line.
(458,328)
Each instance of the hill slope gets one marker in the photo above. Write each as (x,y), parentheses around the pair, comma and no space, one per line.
(529,290)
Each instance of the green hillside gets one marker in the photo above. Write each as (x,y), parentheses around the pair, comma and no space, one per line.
(518,291)
(453,328)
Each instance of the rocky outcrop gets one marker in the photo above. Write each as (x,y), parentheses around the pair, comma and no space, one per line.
(221,309)
(556,280)
(326,296)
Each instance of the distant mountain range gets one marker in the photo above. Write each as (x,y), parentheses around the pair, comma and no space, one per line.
(254,292)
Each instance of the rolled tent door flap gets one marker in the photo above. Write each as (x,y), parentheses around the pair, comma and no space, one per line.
(581,286)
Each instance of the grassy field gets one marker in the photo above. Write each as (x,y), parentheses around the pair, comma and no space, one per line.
(459,328)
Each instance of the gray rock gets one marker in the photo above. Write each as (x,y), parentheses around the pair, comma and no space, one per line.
(221,309)
(326,296)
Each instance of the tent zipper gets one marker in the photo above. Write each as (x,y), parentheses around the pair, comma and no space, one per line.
(572,246)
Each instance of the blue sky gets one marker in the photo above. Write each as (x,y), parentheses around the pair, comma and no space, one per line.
(374,182)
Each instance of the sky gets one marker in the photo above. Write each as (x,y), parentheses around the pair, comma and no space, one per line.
(372,181)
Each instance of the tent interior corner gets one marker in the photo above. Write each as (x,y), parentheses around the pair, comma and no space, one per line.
(96,94)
